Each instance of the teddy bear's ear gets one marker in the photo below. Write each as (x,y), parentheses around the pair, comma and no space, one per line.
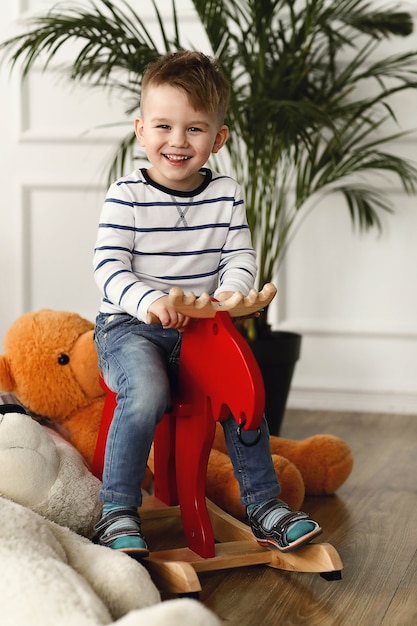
(7,382)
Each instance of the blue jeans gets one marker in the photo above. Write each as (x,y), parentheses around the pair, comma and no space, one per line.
(140,363)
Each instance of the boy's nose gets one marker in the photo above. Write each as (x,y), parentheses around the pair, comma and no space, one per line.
(178,138)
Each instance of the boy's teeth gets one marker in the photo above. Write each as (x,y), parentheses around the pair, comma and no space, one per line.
(176,158)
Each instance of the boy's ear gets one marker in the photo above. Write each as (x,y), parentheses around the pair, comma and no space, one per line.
(138,126)
(221,138)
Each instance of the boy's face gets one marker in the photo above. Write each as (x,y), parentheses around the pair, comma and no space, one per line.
(178,139)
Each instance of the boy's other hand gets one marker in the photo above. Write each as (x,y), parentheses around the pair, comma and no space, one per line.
(167,315)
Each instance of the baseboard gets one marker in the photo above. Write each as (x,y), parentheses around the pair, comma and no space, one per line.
(356,401)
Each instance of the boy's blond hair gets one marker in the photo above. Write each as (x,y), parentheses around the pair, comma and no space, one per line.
(195,74)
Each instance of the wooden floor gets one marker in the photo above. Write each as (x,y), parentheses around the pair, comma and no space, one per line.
(372,522)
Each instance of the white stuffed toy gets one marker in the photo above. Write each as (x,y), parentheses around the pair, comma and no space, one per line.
(44,472)
(49,574)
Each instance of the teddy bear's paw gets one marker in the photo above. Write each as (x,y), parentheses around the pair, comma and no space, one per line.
(223,489)
(290,480)
(325,461)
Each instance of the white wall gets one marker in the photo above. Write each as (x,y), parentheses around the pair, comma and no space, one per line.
(353,297)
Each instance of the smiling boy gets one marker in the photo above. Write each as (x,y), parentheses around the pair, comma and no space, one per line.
(176,223)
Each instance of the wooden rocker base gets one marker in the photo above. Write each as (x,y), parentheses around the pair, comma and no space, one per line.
(176,570)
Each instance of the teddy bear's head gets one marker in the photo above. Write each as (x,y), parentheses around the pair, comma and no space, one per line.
(58,345)
(50,364)
(39,469)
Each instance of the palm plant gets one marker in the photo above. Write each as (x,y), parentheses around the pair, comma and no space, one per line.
(311,96)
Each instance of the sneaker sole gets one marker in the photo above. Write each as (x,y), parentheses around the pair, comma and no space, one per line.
(135,553)
(271,543)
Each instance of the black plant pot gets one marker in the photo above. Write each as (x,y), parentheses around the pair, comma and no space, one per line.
(276,356)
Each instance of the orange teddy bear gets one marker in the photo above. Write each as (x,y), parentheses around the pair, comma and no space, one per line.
(50,364)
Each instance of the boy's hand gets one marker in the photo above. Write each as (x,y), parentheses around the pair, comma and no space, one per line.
(167,315)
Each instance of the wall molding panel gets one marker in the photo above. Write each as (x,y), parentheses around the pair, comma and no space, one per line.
(59,226)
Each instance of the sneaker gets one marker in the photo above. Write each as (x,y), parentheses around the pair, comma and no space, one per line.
(275,525)
(120,530)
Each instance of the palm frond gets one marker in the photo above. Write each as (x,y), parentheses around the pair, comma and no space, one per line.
(123,155)
(112,38)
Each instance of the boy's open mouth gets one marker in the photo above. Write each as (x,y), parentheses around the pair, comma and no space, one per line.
(176,157)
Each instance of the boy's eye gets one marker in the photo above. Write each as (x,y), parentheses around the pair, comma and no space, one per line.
(191,129)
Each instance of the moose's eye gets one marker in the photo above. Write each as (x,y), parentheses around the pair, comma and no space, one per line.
(63,359)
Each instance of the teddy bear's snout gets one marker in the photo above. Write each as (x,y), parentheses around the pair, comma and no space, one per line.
(84,364)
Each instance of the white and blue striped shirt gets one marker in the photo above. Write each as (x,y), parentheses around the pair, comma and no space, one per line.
(152,238)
